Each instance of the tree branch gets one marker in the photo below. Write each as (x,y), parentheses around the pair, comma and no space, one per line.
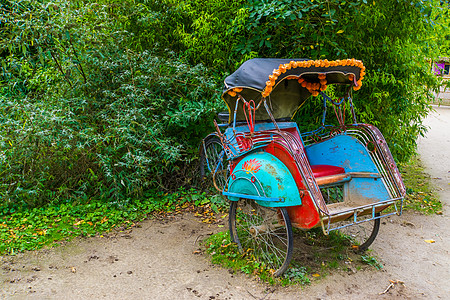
(78,62)
(60,68)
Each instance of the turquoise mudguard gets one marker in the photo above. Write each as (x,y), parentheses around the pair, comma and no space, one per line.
(264,178)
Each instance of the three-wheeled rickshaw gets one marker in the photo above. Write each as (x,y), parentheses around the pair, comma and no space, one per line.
(338,177)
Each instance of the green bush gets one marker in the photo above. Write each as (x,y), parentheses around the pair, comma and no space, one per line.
(94,118)
(199,30)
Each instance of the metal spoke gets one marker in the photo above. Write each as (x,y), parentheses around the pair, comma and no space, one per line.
(261,229)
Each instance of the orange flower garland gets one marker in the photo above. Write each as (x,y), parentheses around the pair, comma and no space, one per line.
(313,88)
(233,92)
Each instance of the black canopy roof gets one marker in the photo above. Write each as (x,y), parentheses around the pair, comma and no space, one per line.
(251,79)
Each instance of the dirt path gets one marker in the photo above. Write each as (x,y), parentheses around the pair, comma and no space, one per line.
(156,260)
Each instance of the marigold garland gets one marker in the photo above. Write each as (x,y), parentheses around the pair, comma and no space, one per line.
(313,88)
(234,91)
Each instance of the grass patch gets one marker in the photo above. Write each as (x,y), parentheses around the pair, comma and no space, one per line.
(371,261)
(31,229)
(226,254)
(420,195)
(315,255)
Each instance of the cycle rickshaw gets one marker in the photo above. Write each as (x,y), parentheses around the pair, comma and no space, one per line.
(336,177)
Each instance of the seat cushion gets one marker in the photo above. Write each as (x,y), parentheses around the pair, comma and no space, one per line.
(326,170)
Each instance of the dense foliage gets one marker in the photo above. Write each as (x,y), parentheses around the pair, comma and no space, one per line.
(83,115)
(108,99)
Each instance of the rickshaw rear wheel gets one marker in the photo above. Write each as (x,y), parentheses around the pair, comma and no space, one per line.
(264,232)
(363,234)
(211,155)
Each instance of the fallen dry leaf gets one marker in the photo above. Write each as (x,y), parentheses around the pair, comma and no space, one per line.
(430,241)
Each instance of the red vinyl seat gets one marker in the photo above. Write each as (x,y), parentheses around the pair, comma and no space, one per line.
(326,170)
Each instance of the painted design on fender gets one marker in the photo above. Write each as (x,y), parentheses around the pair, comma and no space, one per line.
(251,165)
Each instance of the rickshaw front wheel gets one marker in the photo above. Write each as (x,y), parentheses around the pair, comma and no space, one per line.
(264,233)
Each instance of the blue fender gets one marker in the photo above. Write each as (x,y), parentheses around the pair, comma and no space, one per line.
(264,178)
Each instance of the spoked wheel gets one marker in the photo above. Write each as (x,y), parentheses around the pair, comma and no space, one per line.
(264,232)
(213,163)
(363,234)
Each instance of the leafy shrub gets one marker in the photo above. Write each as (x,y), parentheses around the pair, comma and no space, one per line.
(94,118)
(141,120)
(199,30)
(290,28)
